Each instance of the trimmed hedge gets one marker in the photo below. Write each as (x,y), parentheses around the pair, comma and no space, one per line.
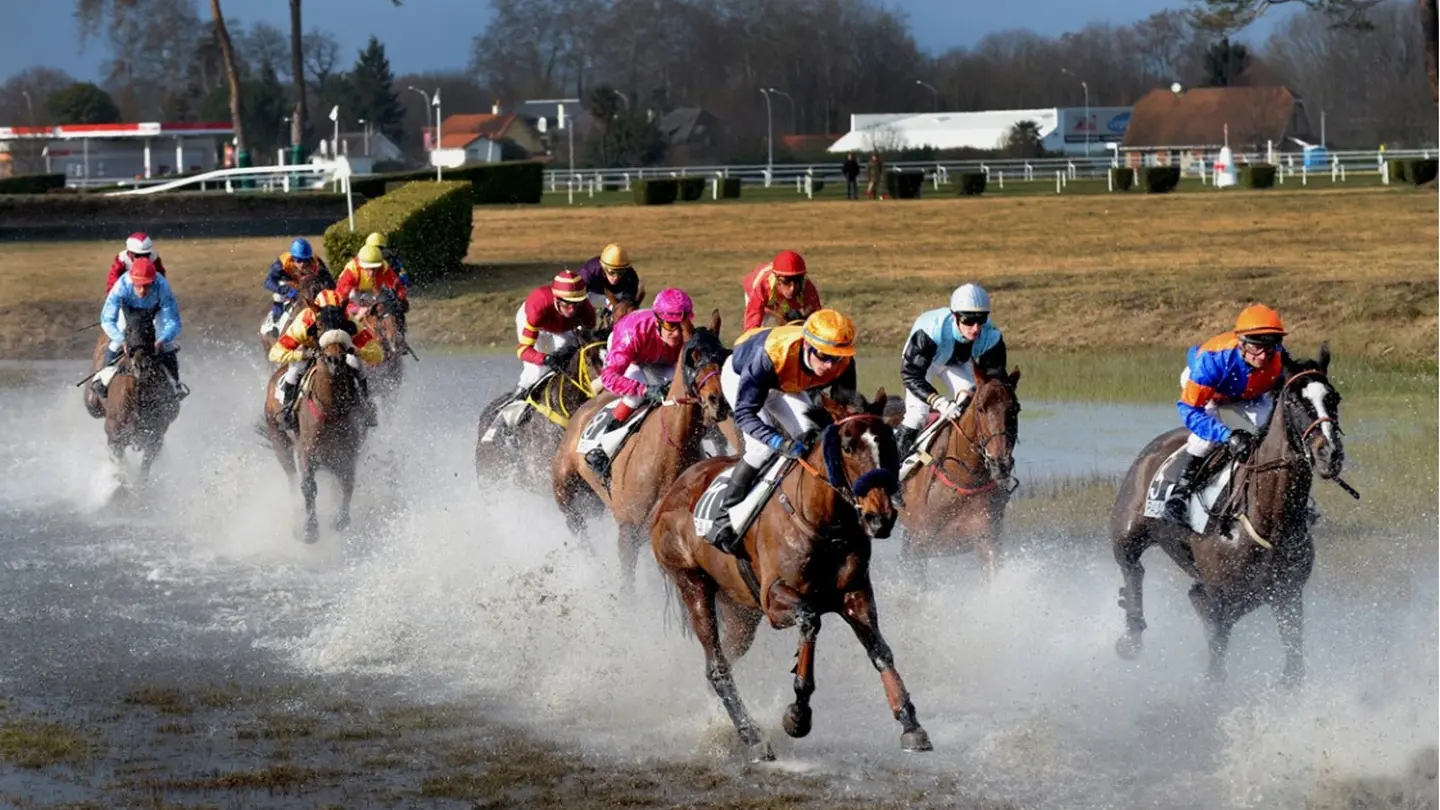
(1258,175)
(691,188)
(971,184)
(655,192)
(60,209)
(729,188)
(904,185)
(1122,178)
(1412,170)
(428,223)
(31,183)
(512,183)
(1161,179)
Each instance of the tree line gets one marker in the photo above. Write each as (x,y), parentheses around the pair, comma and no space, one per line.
(1368,64)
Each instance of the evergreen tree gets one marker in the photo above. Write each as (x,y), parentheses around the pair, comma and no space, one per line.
(1225,63)
(83,103)
(372,90)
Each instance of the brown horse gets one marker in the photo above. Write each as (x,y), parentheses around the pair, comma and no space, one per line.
(1257,548)
(525,452)
(956,501)
(140,401)
(329,431)
(806,554)
(653,456)
(386,320)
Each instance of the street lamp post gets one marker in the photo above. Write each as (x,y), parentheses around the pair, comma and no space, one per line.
(623,98)
(438,119)
(769,139)
(365,128)
(933,92)
(425,96)
(1086,87)
(791,99)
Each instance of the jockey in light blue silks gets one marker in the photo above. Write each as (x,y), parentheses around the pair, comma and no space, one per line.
(947,344)
(141,288)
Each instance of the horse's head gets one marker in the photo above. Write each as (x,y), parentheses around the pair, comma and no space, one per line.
(140,337)
(1310,410)
(994,414)
(841,407)
(388,317)
(863,447)
(700,362)
(620,306)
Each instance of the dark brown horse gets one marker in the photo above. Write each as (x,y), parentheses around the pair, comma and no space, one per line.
(329,430)
(386,320)
(662,447)
(1257,548)
(140,401)
(810,553)
(525,453)
(956,501)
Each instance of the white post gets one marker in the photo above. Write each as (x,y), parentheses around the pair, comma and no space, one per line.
(1304,174)
(570,135)
(1001,175)
(714,187)
(1057,181)
(147,158)
(1109,181)
(438,172)
(1342,172)
(1334,168)
(627,181)
(349,201)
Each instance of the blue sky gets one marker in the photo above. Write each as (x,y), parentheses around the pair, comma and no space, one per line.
(415,41)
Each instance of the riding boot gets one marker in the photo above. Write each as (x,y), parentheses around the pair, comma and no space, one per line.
(597,460)
(742,477)
(286,418)
(172,365)
(1177,505)
(367,405)
(905,440)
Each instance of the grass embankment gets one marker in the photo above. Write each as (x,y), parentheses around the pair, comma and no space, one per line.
(1068,274)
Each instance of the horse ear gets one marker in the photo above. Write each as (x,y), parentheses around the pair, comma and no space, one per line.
(715,321)
(1015,378)
(877,405)
(1324,359)
(980,377)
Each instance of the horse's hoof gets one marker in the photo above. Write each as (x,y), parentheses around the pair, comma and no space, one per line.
(762,752)
(1128,647)
(1293,678)
(797,720)
(312,533)
(342,523)
(916,740)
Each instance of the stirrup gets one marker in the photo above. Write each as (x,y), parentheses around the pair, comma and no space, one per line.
(598,462)
(181,391)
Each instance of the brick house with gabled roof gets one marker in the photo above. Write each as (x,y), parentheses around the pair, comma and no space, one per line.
(480,134)
(1199,120)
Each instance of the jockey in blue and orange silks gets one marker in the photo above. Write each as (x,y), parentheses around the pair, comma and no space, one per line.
(772,382)
(285,276)
(1237,370)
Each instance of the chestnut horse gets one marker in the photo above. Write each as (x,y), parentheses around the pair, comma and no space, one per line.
(806,554)
(140,401)
(654,455)
(1257,548)
(956,501)
(525,452)
(329,430)
(386,320)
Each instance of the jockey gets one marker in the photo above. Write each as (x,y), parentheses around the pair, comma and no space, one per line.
(947,344)
(363,279)
(1237,370)
(142,288)
(612,272)
(136,245)
(546,325)
(772,381)
(301,341)
(777,292)
(640,360)
(286,275)
(392,257)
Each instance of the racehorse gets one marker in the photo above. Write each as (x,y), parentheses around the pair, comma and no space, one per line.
(525,451)
(329,428)
(806,554)
(654,455)
(386,319)
(956,498)
(1257,547)
(140,401)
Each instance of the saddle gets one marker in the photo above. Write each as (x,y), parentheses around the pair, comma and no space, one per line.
(707,509)
(595,436)
(920,453)
(1211,486)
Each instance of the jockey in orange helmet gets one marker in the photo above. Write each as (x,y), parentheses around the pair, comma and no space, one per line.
(1237,370)
(324,311)
(772,382)
(778,292)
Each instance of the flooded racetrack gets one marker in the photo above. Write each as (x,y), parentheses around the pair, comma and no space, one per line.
(456,646)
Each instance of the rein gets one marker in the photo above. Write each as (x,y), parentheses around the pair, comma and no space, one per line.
(978,443)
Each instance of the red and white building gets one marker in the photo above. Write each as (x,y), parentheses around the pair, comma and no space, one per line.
(91,153)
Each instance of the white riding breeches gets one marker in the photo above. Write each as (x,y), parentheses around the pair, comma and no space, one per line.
(653,374)
(546,343)
(787,412)
(1256,411)
(961,380)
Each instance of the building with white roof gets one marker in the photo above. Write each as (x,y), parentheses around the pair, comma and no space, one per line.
(1062,130)
(122,151)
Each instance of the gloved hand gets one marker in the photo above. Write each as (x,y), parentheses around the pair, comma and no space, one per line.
(948,409)
(289,291)
(1241,443)
(791,448)
(654,397)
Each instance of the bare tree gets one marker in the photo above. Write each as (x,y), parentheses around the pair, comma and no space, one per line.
(321,53)
(148,61)
(232,73)
(299,119)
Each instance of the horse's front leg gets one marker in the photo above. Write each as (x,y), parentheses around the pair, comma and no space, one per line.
(631,537)
(1218,618)
(697,594)
(1127,552)
(1289,607)
(345,471)
(798,715)
(859,611)
(307,489)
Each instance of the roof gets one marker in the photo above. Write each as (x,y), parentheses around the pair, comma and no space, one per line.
(684,123)
(1200,117)
(549,109)
(456,131)
(964,130)
(147,129)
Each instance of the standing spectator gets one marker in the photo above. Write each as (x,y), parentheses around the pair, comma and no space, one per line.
(851,170)
(875,176)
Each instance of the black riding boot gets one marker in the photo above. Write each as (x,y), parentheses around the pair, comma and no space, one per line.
(171,362)
(597,460)
(742,477)
(287,420)
(1177,505)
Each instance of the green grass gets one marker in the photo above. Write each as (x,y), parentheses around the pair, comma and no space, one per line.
(30,743)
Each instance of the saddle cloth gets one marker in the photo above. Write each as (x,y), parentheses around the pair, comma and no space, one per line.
(595,435)
(1202,498)
(743,514)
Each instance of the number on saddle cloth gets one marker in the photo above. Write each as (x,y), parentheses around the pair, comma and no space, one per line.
(609,441)
(1204,496)
(707,509)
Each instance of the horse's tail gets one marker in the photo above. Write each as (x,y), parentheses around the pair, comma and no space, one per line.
(672,601)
